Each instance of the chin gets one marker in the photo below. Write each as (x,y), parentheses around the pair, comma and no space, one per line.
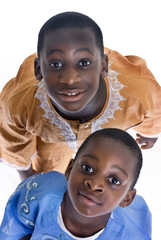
(70,109)
(87,212)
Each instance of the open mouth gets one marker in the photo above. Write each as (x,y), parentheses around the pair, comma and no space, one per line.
(72,95)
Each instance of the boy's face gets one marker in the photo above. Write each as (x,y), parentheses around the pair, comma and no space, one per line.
(101,177)
(71,66)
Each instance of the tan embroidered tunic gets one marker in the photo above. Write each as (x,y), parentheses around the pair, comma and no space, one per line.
(32,131)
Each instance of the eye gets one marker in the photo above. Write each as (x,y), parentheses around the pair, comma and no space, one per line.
(87,168)
(56,64)
(84,63)
(114,181)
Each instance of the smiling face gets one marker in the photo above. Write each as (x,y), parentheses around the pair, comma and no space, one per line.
(101,177)
(71,65)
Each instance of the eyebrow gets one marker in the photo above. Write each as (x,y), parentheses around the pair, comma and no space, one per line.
(84,49)
(91,156)
(61,51)
(121,169)
(53,50)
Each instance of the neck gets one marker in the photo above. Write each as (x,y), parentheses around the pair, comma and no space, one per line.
(75,222)
(91,110)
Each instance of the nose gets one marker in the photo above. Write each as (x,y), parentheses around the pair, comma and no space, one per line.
(95,185)
(70,76)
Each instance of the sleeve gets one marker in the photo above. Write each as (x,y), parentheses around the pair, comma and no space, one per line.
(148,92)
(18,146)
(151,125)
(140,216)
(27,209)
(141,90)
(14,226)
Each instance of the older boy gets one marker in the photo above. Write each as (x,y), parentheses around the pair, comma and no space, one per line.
(44,121)
(95,201)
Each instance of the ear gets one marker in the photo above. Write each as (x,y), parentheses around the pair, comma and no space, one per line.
(69,168)
(128,198)
(37,69)
(104,66)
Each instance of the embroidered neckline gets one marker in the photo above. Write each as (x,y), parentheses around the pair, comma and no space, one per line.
(52,117)
(113,102)
(112,106)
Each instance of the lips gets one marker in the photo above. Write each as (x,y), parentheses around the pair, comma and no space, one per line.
(71,94)
(88,198)
(73,91)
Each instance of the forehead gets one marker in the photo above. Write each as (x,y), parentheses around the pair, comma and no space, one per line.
(70,38)
(110,151)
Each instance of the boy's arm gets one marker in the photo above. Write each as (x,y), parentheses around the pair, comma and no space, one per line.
(142,93)
(150,129)
(150,94)
(18,146)
(17,104)
(15,225)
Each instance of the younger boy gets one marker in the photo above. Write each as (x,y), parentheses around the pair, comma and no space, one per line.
(96,202)
(69,90)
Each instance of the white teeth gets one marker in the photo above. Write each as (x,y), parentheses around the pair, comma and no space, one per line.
(71,94)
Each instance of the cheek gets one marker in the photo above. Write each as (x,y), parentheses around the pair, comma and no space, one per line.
(73,181)
(49,75)
(49,90)
(111,204)
(50,84)
(93,82)
(50,79)
(113,199)
(72,186)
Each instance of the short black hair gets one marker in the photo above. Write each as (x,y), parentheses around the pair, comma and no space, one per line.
(70,20)
(122,137)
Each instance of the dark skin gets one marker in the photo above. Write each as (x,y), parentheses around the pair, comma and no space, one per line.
(71,63)
(83,70)
(145,142)
(73,71)
(98,181)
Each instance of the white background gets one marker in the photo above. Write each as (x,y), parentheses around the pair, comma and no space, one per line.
(130,27)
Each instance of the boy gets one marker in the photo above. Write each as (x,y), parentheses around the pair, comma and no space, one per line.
(95,201)
(76,91)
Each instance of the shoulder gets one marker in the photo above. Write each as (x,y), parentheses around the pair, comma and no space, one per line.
(133,73)
(136,218)
(23,82)
(37,189)
(139,213)
(45,183)
(31,200)
(129,61)
(27,67)
(18,95)
(55,181)
(40,186)
(130,66)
